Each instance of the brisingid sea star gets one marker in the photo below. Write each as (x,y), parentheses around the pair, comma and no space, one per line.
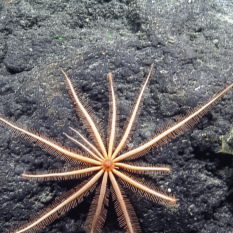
(105,163)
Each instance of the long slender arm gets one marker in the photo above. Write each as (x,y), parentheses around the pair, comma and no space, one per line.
(152,192)
(182,125)
(51,144)
(121,202)
(113,119)
(97,215)
(59,175)
(49,215)
(87,116)
(92,146)
(132,118)
(84,147)
(142,168)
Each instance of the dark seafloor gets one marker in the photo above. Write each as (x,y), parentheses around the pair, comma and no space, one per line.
(189,41)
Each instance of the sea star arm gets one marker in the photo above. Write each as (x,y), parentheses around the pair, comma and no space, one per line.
(97,214)
(186,123)
(122,204)
(60,175)
(59,208)
(50,144)
(153,194)
(86,114)
(84,147)
(113,118)
(142,169)
(91,145)
(132,118)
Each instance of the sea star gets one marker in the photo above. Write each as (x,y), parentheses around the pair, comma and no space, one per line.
(106,163)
